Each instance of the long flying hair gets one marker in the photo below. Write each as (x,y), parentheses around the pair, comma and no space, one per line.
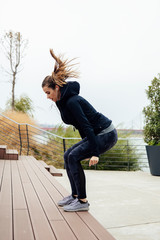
(63,69)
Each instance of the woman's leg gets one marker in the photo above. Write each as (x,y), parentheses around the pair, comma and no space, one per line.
(67,167)
(74,157)
(80,152)
(83,151)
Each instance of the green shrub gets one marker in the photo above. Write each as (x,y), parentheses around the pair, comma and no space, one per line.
(152,113)
(122,156)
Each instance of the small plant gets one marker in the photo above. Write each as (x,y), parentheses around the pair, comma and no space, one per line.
(24,105)
(152,113)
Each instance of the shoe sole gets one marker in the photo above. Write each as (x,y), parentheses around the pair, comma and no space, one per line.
(76,210)
(62,205)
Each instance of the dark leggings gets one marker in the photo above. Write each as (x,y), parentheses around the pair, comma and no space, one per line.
(80,151)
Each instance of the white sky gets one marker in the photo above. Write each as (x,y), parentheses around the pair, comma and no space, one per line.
(117,42)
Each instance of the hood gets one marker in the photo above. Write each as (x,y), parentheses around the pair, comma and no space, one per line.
(69,89)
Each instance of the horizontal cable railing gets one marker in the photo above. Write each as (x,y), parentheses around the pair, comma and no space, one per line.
(127,154)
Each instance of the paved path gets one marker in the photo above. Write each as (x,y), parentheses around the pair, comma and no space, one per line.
(127,204)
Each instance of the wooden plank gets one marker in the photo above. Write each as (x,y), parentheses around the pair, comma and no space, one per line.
(25,176)
(57,222)
(56,184)
(22,171)
(41,226)
(62,230)
(11,154)
(1,171)
(19,201)
(22,225)
(2,151)
(54,171)
(6,230)
(98,230)
(45,199)
(51,169)
(35,213)
(78,227)
(11,151)
(6,156)
(3,146)
(46,179)
(44,165)
(14,157)
(95,226)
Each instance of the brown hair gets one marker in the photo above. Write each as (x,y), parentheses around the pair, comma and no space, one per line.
(62,71)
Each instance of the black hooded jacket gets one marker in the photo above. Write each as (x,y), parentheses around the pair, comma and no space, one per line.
(75,110)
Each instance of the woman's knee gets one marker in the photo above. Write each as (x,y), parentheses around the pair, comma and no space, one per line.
(72,159)
(66,154)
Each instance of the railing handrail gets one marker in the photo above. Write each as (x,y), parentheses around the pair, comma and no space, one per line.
(8,118)
(47,131)
(37,128)
(55,135)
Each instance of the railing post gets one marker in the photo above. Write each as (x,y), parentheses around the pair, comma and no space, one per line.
(128,155)
(27,139)
(20,139)
(95,167)
(64,148)
(64,145)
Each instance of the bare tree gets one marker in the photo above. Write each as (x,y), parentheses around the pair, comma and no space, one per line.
(13,46)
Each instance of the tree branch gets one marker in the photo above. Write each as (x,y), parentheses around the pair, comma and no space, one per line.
(13,48)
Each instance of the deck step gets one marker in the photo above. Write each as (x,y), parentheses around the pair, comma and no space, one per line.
(2,151)
(3,146)
(11,154)
(44,165)
(8,154)
(53,170)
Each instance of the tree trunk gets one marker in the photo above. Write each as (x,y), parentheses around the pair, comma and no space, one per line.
(13,87)
(14,46)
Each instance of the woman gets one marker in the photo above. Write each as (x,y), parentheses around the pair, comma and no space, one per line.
(97,131)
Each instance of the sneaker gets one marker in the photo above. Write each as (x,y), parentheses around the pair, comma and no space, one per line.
(76,206)
(65,201)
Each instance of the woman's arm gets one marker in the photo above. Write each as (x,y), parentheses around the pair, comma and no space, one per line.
(76,110)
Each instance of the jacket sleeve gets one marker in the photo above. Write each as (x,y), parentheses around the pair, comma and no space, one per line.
(79,115)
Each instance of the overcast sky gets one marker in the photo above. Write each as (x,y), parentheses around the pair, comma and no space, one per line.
(117,43)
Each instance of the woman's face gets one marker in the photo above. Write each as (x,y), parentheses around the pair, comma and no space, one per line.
(52,94)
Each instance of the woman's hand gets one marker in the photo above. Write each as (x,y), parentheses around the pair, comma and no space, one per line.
(94,160)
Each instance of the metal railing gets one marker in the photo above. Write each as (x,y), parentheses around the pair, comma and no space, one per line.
(127,154)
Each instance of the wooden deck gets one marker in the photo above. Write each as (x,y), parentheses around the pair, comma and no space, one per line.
(28,206)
